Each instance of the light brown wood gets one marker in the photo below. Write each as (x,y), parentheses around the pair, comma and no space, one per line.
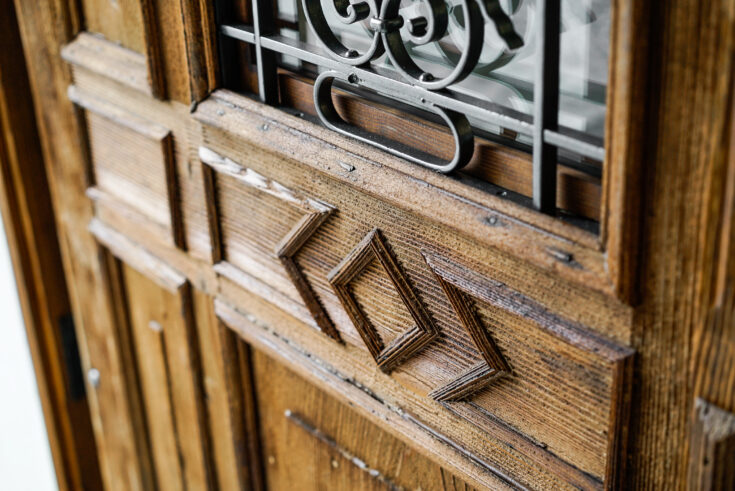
(28,219)
(44,29)
(548,357)
(335,448)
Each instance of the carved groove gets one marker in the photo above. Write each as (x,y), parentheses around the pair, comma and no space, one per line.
(315,213)
(373,247)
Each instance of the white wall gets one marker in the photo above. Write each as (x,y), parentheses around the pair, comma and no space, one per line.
(25,457)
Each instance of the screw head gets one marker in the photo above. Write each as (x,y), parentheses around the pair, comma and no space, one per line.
(352,78)
(94,376)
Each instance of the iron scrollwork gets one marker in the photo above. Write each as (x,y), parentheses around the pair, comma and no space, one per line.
(386,24)
(451,39)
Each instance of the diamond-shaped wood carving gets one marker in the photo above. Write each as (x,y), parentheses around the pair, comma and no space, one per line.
(494,364)
(315,213)
(371,248)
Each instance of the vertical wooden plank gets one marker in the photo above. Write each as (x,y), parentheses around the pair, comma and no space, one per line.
(312,442)
(166,356)
(148,305)
(131,24)
(228,410)
(45,27)
(712,454)
(689,98)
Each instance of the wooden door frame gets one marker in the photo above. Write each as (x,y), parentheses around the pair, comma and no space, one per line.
(28,217)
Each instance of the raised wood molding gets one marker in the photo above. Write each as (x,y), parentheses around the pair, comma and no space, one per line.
(98,55)
(139,259)
(315,213)
(712,448)
(158,134)
(372,247)
(545,242)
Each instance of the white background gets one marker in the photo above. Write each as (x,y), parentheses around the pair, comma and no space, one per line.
(25,457)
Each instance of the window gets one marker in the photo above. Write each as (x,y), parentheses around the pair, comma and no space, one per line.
(525,78)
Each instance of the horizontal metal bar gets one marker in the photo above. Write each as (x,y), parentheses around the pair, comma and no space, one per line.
(239,32)
(388,82)
(574,145)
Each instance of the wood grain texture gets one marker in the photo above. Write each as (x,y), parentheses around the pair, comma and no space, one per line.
(688,168)
(30,230)
(130,24)
(340,379)
(551,423)
(165,346)
(336,448)
(483,374)
(133,163)
(491,162)
(489,219)
(229,398)
(625,143)
(314,213)
(45,27)
(99,55)
(618,359)
(373,248)
(712,453)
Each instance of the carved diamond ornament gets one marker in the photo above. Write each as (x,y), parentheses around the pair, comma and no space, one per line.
(493,365)
(371,248)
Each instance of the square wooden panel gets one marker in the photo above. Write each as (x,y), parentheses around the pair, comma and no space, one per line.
(132,165)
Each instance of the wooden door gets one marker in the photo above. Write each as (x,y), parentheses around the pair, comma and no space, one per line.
(263,301)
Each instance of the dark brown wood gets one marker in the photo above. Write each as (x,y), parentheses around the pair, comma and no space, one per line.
(712,453)
(374,248)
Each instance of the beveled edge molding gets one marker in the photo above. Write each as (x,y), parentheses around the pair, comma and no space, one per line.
(98,55)
(371,247)
(147,129)
(712,450)
(315,214)
(132,254)
(619,357)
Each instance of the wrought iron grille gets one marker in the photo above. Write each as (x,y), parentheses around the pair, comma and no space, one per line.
(390,31)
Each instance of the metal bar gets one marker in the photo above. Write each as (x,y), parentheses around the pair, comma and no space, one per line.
(546,104)
(387,81)
(264,25)
(240,32)
(574,145)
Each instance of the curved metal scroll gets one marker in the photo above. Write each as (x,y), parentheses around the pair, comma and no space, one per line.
(457,123)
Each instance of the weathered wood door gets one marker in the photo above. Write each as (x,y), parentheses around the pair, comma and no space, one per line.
(262,302)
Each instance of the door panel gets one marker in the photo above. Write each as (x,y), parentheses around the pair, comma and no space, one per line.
(313,442)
